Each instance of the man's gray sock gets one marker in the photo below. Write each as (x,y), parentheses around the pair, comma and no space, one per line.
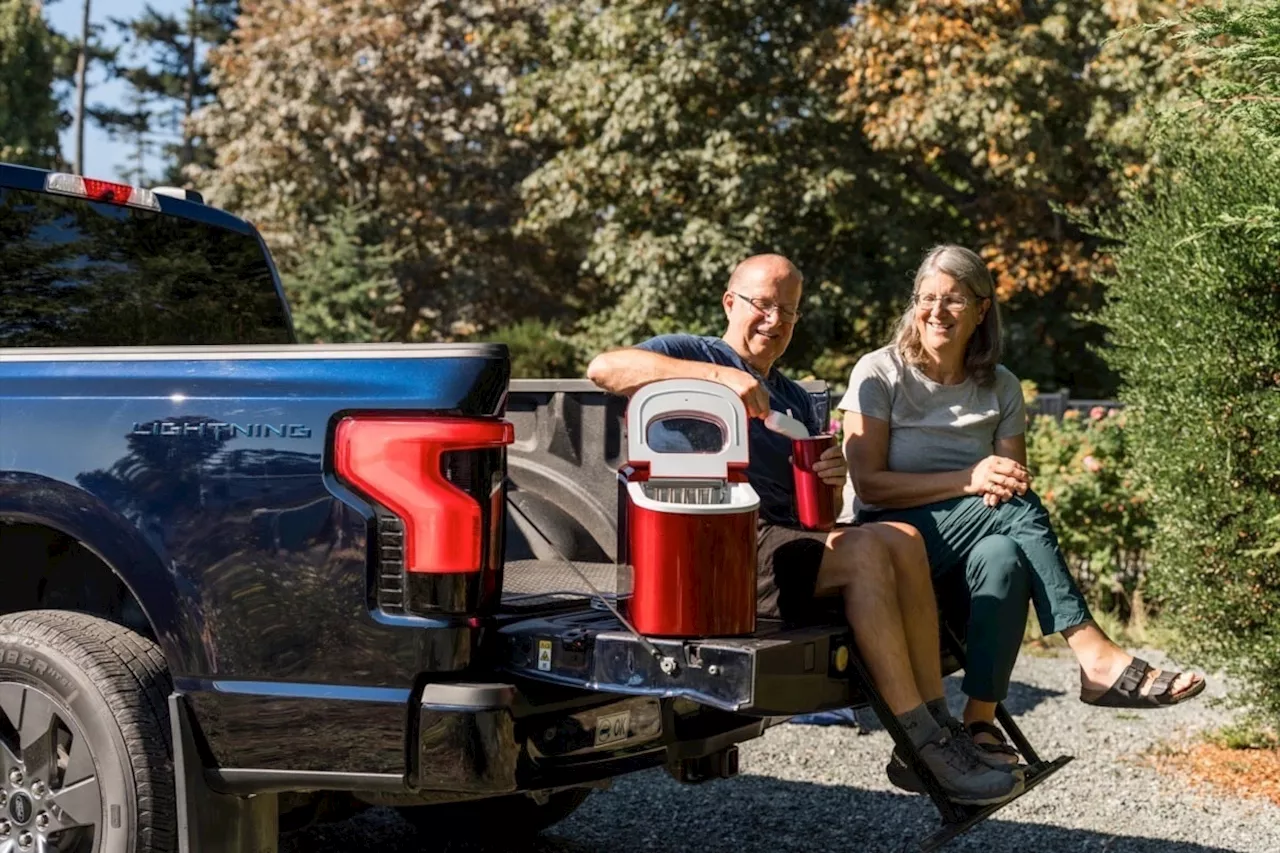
(939,709)
(920,725)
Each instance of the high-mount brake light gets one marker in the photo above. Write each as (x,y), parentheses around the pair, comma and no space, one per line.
(104,191)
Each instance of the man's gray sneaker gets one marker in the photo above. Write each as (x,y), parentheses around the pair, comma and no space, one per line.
(963,777)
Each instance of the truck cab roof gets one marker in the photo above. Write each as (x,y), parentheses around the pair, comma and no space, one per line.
(14,176)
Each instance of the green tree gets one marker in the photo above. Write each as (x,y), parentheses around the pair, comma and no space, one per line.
(688,136)
(171,77)
(389,106)
(1192,314)
(29,57)
(134,126)
(1013,116)
(343,289)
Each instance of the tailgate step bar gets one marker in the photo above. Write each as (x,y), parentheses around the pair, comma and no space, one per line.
(956,818)
(967,817)
(776,672)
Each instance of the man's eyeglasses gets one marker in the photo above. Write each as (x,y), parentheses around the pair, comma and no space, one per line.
(953,303)
(769,309)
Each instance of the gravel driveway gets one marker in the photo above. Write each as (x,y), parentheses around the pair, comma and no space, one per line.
(810,788)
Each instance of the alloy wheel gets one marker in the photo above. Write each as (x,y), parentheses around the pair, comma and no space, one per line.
(50,798)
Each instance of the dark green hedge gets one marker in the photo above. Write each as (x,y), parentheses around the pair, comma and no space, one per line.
(1194,313)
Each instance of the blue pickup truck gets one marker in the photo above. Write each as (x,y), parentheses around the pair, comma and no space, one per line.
(249,583)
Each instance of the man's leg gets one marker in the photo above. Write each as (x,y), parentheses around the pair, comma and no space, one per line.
(998,591)
(917,605)
(858,566)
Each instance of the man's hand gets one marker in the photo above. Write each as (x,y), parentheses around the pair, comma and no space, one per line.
(753,394)
(831,467)
(997,479)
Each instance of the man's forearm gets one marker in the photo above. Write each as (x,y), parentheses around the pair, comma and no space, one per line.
(624,371)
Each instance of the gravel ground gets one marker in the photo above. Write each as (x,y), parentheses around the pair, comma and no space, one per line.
(811,788)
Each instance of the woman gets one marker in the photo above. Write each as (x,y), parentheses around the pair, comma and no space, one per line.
(935,437)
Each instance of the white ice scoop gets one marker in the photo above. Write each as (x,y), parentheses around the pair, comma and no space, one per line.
(786,425)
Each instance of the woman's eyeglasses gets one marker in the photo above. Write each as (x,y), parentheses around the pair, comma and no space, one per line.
(953,303)
(769,309)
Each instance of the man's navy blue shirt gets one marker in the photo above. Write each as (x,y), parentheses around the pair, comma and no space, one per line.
(769,471)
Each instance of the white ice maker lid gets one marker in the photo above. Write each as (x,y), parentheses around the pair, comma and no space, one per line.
(696,399)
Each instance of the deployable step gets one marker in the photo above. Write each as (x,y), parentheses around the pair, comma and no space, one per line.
(964,818)
(956,818)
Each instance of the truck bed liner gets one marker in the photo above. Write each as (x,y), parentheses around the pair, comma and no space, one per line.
(528,584)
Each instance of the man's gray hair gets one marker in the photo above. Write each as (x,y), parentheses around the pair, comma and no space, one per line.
(985,347)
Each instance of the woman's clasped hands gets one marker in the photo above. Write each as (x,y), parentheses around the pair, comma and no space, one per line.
(997,479)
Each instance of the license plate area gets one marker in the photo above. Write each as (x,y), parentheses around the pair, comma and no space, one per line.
(618,725)
(613,728)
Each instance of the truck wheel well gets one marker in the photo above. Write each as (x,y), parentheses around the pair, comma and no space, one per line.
(42,568)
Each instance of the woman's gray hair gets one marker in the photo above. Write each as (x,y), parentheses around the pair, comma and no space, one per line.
(985,348)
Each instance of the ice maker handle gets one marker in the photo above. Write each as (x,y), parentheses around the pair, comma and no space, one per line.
(696,398)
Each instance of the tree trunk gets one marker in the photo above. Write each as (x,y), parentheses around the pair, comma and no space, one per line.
(189,91)
(82,64)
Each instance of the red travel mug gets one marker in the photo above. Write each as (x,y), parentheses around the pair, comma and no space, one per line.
(815,500)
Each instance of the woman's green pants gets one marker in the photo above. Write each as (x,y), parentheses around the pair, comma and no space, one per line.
(1008,553)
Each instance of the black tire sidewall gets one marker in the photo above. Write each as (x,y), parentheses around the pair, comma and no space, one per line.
(33,663)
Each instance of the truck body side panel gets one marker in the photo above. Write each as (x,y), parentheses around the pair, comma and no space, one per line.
(200,476)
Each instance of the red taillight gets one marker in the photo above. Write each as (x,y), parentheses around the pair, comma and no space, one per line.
(398,462)
(107,191)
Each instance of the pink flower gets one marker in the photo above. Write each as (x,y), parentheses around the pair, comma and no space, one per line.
(1097,413)
(834,426)
(1091,464)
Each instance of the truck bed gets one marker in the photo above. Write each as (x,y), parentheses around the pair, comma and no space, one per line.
(533,584)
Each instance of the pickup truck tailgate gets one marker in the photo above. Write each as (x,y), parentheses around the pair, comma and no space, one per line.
(777,671)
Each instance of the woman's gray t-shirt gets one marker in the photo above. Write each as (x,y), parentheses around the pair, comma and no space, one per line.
(932,427)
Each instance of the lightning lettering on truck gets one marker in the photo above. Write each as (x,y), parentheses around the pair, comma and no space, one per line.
(219,430)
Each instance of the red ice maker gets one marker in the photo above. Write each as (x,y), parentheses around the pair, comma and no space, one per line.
(691,515)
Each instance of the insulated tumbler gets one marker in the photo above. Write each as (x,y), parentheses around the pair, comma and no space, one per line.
(815,500)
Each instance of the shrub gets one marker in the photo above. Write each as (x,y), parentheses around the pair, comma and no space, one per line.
(1193,310)
(538,351)
(1082,475)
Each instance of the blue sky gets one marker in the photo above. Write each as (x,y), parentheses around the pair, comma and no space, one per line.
(103,157)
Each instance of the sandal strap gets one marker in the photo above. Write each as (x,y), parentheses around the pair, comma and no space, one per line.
(1132,677)
(1001,746)
(1162,687)
(982,727)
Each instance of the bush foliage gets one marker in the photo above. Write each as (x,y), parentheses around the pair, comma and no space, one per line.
(1082,474)
(1193,312)
(539,351)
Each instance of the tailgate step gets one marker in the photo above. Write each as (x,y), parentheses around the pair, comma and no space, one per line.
(774,672)
(967,817)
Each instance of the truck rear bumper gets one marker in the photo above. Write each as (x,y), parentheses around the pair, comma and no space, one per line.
(491,739)
(775,672)
(587,701)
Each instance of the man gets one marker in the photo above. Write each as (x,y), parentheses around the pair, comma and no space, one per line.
(879,570)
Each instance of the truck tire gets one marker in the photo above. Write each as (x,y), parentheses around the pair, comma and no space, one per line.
(517,815)
(86,761)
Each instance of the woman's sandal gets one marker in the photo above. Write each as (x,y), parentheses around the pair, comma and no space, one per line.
(1126,691)
(1001,745)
